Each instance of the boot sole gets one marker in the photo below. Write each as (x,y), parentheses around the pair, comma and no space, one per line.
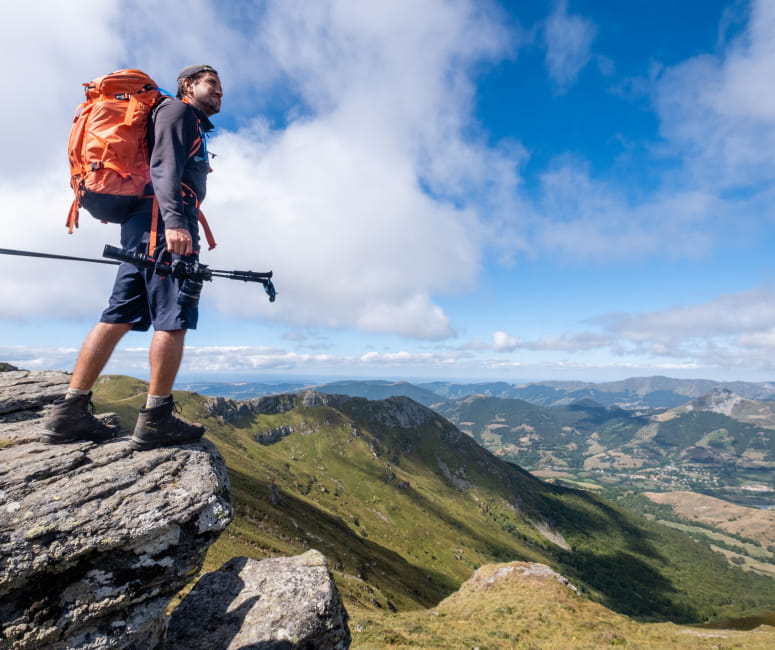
(136,444)
(56,439)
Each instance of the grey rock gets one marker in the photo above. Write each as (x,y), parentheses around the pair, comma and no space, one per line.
(273,435)
(400,412)
(404,413)
(22,390)
(279,603)
(230,410)
(96,539)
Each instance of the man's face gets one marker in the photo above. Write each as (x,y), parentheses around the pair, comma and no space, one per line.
(206,93)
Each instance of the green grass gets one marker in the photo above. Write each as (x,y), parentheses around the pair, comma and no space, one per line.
(405,516)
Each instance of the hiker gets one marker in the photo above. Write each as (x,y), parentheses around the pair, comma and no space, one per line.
(141,298)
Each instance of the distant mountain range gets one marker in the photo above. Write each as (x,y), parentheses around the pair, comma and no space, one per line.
(720,443)
(635,393)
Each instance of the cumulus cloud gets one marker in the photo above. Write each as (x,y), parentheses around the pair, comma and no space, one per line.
(503,342)
(718,110)
(51,60)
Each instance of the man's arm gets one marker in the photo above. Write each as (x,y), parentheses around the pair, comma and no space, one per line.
(175,132)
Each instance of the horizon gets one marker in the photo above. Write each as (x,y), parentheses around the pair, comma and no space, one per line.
(312,379)
(571,190)
(419,381)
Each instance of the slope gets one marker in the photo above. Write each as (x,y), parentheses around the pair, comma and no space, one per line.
(519,605)
(405,507)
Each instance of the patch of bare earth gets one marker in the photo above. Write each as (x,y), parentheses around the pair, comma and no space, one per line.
(752,523)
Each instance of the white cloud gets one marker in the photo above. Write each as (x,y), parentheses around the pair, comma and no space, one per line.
(503,342)
(732,331)
(745,312)
(582,218)
(718,111)
(44,48)
(568,42)
(350,236)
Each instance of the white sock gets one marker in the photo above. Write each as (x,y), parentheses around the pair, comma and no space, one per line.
(155,400)
(76,392)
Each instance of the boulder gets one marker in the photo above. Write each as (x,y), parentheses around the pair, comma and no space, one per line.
(22,390)
(95,540)
(278,603)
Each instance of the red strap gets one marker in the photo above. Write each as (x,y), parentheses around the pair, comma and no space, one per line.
(208,233)
(154,227)
(72,215)
(202,220)
(154,235)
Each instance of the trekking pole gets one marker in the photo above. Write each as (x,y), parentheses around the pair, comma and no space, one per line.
(51,256)
(193,271)
(178,268)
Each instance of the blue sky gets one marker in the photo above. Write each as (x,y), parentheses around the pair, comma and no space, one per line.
(578,189)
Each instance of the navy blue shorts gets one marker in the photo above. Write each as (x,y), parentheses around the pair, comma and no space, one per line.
(140,296)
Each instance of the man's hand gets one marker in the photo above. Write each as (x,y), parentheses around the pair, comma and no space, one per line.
(179,241)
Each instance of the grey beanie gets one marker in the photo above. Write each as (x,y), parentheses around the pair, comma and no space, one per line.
(191,70)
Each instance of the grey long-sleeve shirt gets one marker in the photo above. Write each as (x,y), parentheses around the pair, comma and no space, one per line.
(178,155)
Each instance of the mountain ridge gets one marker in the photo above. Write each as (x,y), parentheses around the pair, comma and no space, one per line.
(633,393)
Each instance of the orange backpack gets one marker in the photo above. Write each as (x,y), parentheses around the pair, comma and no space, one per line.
(108,150)
(108,145)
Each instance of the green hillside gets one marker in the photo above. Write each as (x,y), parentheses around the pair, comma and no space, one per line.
(406,507)
(531,434)
(697,446)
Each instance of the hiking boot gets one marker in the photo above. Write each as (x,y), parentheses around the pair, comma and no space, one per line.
(158,427)
(71,420)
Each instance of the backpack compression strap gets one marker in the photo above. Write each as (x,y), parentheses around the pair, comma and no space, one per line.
(154,234)
(72,215)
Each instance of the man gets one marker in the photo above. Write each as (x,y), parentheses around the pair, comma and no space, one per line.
(140,297)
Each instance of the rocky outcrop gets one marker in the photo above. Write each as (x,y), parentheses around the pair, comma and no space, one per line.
(275,603)
(513,575)
(719,400)
(230,410)
(96,539)
(398,412)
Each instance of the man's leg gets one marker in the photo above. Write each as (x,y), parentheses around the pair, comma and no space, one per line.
(157,424)
(165,356)
(95,353)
